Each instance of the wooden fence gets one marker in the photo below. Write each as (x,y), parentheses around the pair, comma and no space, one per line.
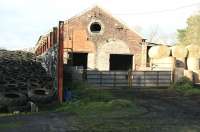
(128,79)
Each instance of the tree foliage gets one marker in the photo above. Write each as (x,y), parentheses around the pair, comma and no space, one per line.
(191,34)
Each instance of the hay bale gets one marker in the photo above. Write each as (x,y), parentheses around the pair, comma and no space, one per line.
(167,63)
(188,74)
(196,75)
(158,52)
(193,63)
(179,51)
(193,51)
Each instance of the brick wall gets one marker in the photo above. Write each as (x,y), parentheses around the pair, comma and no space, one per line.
(77,35)
(113,36)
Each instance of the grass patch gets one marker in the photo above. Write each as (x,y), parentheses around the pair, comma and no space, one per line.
(101,110)
(82,107)
(86,92)
(190,92)
(87,98)
(11,125)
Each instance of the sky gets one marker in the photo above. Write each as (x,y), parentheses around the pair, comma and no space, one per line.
(23,21)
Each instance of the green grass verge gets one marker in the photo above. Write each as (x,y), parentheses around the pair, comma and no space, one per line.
(100,110)
(194,91)
(82,107)
(11,125)
(87,98)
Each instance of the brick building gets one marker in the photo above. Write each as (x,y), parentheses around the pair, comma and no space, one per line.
(96,40)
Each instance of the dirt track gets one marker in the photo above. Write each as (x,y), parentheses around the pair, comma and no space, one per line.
(165,112)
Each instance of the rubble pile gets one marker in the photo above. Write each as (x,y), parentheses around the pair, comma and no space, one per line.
(22,79)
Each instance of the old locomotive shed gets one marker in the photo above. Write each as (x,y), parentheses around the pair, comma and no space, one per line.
(96,40)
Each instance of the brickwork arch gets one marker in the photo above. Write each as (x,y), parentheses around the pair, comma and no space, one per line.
(110,47)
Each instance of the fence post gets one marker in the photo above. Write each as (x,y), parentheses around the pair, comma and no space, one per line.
(129,79)
(172,76)
(84,75)
(100,79)
(114,80)
(157,78)
(144,79)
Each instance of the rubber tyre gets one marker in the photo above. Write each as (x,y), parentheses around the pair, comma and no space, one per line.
(35,85)
(23,108)
(12,99)
(40,96)
(11,87)
(3,109)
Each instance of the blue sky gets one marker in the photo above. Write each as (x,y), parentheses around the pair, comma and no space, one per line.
(23,21)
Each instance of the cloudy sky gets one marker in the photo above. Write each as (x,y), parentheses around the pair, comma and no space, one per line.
(23,21)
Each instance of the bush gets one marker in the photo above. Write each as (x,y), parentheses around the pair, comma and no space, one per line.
(183,80)
(183,83)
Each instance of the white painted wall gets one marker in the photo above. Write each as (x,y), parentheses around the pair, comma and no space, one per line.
(91,61)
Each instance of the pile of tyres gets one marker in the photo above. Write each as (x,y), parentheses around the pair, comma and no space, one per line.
(22,80)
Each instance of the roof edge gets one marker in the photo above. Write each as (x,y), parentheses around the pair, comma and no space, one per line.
(107,12)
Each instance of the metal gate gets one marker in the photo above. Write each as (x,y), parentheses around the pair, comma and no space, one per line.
(128,78)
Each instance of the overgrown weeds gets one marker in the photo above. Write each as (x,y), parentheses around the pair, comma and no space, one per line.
(87,93)
(185,86)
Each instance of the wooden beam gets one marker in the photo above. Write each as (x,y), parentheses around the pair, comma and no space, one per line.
(51,39)
(55,37)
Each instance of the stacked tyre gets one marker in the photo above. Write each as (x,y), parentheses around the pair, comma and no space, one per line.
(13,101)
(40,95)
(22,79)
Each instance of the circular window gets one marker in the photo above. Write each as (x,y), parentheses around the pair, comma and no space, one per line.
(95,27)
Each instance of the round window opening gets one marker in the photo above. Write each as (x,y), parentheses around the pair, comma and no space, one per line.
(95,27)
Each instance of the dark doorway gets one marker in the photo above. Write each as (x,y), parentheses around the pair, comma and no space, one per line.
(121,62)
(79,59)
(148,58)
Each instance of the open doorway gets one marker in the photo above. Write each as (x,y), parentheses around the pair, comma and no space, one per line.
(79,59)
(147,55)
(121,62)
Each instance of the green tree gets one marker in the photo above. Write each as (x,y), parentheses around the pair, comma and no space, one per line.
(191,34)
